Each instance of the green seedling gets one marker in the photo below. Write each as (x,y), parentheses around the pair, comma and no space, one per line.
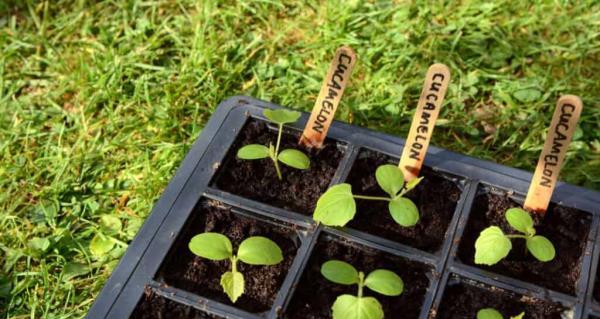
(336,207)
(493,245)
(491,313)
(346,306)
(290,157)
(255,250)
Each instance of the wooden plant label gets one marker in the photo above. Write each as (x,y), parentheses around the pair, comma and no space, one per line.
(329,98)
(562,127)
(428,109)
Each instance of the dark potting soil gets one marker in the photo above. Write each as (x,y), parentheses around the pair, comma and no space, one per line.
(298,191)
(567,229)
(184,270)
(463,300)
(315,295)
(435,196)
(153,306)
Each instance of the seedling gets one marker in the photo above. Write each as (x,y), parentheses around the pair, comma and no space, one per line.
(336,207)
(493,245)
(491,313)
(346,306)
(255,250)
(290,157)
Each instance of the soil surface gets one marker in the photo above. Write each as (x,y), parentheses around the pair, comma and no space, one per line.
(315,295)
(567,229)
(182,269)
(435,196)
(257,179)
(153,306)
(463,301)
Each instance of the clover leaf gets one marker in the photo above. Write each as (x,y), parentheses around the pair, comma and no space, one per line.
(289,157)
(255,250)
(493,245)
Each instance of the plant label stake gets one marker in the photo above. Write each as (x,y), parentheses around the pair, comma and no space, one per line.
(329,98)
(562,127)
(421,129)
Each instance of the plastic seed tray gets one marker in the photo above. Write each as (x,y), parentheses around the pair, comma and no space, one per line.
(158,276)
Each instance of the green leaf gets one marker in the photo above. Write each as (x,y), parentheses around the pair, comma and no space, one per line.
(527,95)
(519,316)
(281,116)
(489,313)
(520,220)
(404,212)
(390,179)
(233,285)
(491,246)
(412,184)
(39,245)
(73,269)
(259,250)
(339,272)
(213,246)
(336,207)
(253,151)
(352,307)
(101,245)
(294,158)
(541,248)
(385,282)
(110,224)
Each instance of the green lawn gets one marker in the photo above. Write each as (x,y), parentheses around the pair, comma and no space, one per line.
(100,102)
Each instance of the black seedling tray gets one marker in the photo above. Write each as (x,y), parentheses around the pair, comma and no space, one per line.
(138,271)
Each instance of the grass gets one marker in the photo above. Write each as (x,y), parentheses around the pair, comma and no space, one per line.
(99,102)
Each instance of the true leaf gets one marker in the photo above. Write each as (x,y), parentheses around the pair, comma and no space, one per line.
(336,206)
(489,313)
(390,179)
(541,248)
(519,316)
(385,282)
(339,272)
(213,246)
(352,307)
(253,151)
(520,220)
(294,158)
(259,250)
(491,246)
(101,245)
(233,285)
(412,184)
(404,211)
(281,116)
